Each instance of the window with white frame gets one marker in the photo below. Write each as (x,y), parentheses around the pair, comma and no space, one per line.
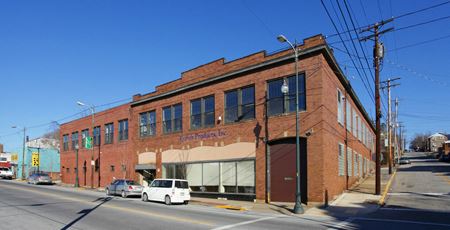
(349,161)
(341,159)
(355,164)
(340,107)
(355,123)
(360,165)
(349,115)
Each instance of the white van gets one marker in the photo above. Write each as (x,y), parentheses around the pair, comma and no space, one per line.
(168,191)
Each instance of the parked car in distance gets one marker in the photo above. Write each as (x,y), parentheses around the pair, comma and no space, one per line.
(404,160)
(124,187)
(168,191)
(39,178)
(6,173)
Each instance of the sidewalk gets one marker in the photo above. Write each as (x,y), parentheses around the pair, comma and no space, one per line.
(358,200)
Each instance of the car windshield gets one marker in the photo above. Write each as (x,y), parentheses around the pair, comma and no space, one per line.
(3,169)
(130,182)
(43,174)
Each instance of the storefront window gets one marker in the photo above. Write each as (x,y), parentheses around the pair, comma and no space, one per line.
(215,177)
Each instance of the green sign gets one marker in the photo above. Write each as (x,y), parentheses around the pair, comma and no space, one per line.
(88,143)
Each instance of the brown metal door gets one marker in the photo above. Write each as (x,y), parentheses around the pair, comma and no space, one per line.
(283,170)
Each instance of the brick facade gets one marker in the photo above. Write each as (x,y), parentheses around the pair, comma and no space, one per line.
(318,123)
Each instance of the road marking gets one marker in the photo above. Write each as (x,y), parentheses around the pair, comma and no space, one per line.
(146,213)
(412,210)
(383,197)
(401,221)
(244,223)
(412,194)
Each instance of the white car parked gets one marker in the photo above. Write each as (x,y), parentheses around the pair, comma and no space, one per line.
(168,191)
(6,173)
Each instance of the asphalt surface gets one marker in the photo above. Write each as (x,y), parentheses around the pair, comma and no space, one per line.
(419,199)
(24,206)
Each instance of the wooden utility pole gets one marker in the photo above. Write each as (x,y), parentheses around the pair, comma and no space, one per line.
(378,53)
(388,86)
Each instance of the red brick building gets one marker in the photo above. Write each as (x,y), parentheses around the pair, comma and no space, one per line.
(228,129)
(111,152)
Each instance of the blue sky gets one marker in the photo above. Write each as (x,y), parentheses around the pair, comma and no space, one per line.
(53,53)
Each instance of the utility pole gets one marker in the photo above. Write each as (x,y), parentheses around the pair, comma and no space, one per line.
(378,53)
(388,86)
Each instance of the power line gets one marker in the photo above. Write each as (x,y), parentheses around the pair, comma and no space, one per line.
(335,27)
(421,10)
(422,23)
(394,17)
(420,43)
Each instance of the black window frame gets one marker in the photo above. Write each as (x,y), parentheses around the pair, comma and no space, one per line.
(123,130)
(288,99)
(83,139)
(66,142)
(173,121)
(237,111)
(96,135)
(74,142)
(147,129)
(109,136)
(203,114)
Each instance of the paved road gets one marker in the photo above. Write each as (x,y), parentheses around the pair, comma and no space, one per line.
(25,206)
(419,198)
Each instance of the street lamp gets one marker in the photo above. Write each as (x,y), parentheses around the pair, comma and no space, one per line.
(77,183)
(92,108)
(298,209)
(23,151)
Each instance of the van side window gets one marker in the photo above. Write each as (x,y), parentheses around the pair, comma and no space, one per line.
(155,183)
(166,184)
(181,184)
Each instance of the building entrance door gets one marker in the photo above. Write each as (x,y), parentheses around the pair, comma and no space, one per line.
(283,170)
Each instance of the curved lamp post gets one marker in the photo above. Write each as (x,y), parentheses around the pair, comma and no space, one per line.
(298,209)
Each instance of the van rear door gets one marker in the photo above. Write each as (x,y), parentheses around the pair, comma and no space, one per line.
(182,189)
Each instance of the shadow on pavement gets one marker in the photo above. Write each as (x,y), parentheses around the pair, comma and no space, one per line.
(86,212)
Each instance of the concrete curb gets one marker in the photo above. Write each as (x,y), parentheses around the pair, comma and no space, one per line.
(382,200)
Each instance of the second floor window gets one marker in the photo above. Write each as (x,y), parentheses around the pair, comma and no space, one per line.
(123,130)
(84,136)
(240,104)
(74,139)
(96,135)
(279,103)
(66,142)
(109,133)
(172,118)
(202,112)
(147,125)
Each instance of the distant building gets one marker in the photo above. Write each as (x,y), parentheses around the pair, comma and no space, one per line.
(49,159)
(435,141)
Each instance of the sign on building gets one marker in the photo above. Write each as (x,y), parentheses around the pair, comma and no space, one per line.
(88,143)
(35,159)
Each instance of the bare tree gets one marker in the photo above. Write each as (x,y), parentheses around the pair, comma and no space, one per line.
(419,142)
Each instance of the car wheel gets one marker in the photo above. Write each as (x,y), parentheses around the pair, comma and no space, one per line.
(124,195)
(167,200)
(144,197)
(108,193)
(186,202)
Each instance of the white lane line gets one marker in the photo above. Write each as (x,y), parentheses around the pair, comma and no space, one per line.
(343,224)
(415,194)
(401,221)
(244,223)
(411,210)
